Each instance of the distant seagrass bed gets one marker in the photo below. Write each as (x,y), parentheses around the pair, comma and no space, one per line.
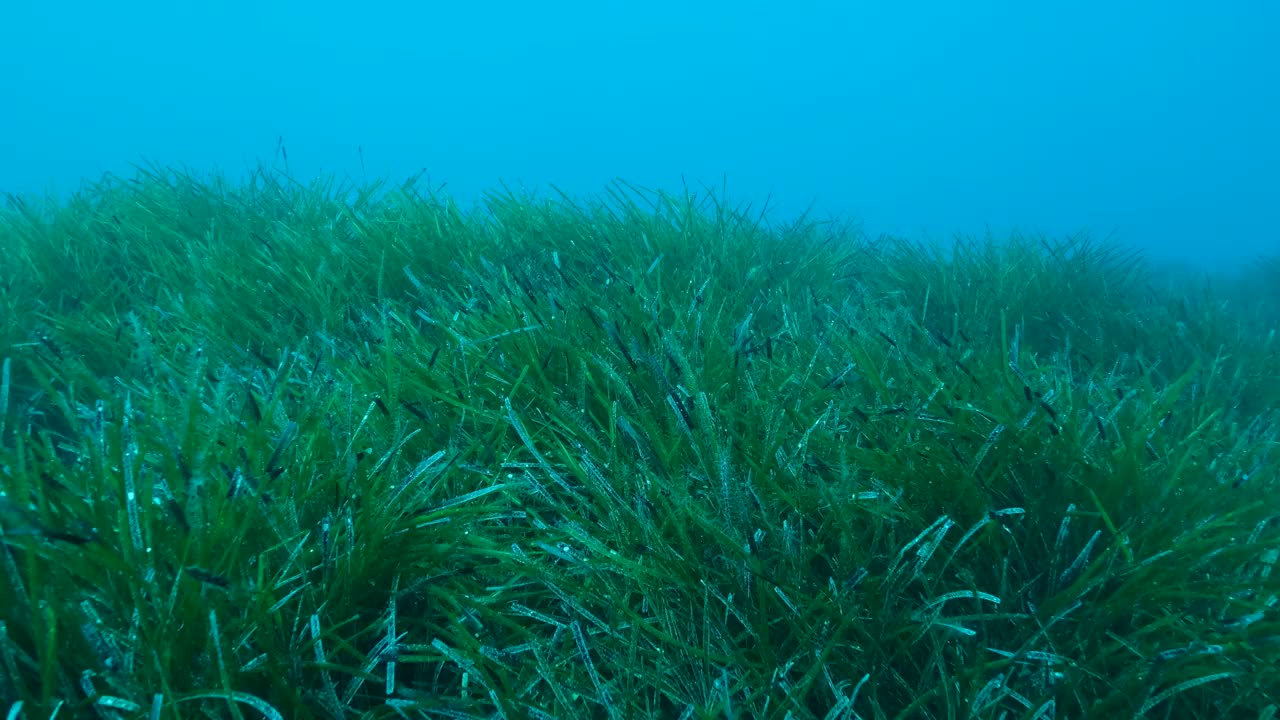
(304,450)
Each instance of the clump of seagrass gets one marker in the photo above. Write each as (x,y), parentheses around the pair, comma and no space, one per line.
(309,451)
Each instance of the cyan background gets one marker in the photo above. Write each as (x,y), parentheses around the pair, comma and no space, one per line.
(1152,122)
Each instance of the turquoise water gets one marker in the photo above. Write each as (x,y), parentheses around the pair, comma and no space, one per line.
(1149,122)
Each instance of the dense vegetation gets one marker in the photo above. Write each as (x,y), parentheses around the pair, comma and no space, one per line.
(275,450)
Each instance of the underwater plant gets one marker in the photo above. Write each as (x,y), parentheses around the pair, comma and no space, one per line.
(309,451)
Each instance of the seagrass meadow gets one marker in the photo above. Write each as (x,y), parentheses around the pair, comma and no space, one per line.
(309,450)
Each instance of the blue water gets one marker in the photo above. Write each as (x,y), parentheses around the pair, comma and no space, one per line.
(1151,122)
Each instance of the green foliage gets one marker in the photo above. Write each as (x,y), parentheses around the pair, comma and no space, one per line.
(311,451)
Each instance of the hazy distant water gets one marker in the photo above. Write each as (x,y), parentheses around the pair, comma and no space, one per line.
(1152,122)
